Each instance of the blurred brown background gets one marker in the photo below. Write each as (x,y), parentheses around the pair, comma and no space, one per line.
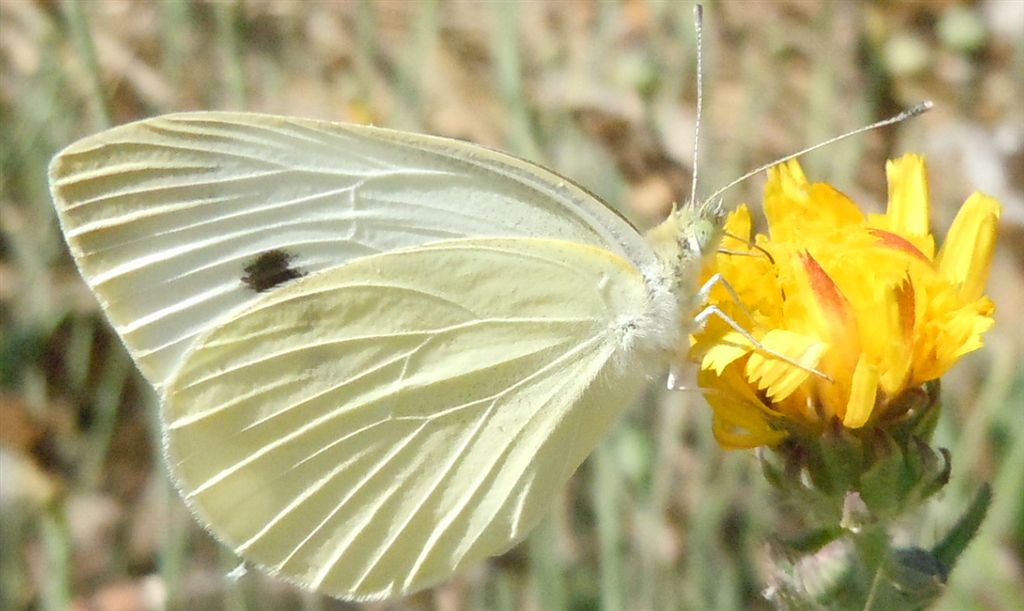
(604,93)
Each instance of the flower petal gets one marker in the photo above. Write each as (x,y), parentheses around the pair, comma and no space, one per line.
(887,239)
(737,228)
(863,392)
(775,376)
(897,333)
(834,207)
(908,208)
(966,255)
(835,317)
(785,195)
(740,419)
(725,351)
(733,435)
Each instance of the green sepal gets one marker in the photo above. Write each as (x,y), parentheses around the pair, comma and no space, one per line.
(842,458)
(948,550)
(810,541)
(912,578)
(884,482)
(915,412)
(773,473)
(798,470)
(929,470)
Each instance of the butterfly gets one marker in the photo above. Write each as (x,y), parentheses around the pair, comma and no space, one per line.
(378,354)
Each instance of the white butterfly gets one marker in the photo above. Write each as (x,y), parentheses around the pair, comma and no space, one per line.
(378,354)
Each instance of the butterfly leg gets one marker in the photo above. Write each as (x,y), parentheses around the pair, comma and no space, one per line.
(712,310)
(719,280)
(675,373)
(700,320)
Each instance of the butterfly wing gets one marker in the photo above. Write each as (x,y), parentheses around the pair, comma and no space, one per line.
(369,429)
(178,220)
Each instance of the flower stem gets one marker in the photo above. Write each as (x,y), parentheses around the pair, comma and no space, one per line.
(872,545)
(869,604)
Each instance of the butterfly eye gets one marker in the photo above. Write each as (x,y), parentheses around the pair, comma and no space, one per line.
(700,236)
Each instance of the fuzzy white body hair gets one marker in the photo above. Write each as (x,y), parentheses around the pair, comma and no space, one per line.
(651,337)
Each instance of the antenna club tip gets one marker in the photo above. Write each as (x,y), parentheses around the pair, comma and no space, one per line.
(698,10)
(923,107)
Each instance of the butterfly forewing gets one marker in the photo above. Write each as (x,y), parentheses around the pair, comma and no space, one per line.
(179,220)
(369,429)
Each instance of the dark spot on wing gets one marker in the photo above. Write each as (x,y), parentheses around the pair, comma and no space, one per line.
(270,269)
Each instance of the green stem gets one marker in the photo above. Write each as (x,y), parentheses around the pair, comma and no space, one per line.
(869,604)
(607,498)
(546,565)
(872,545)
(78,23)
(228,17)
(56,592)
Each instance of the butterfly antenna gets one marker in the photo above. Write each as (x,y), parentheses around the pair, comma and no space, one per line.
(903,116)
(698,26)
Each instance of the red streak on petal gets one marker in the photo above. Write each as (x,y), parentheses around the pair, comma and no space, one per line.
(825,290)
(896,242)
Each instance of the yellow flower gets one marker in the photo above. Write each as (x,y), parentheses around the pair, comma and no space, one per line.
(864,300)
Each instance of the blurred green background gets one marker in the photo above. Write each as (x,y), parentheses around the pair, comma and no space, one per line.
(603,92)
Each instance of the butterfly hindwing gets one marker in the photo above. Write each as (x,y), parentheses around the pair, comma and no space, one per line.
(368,429)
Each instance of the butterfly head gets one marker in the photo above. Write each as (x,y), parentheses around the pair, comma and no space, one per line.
(684,239)
(699,237)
